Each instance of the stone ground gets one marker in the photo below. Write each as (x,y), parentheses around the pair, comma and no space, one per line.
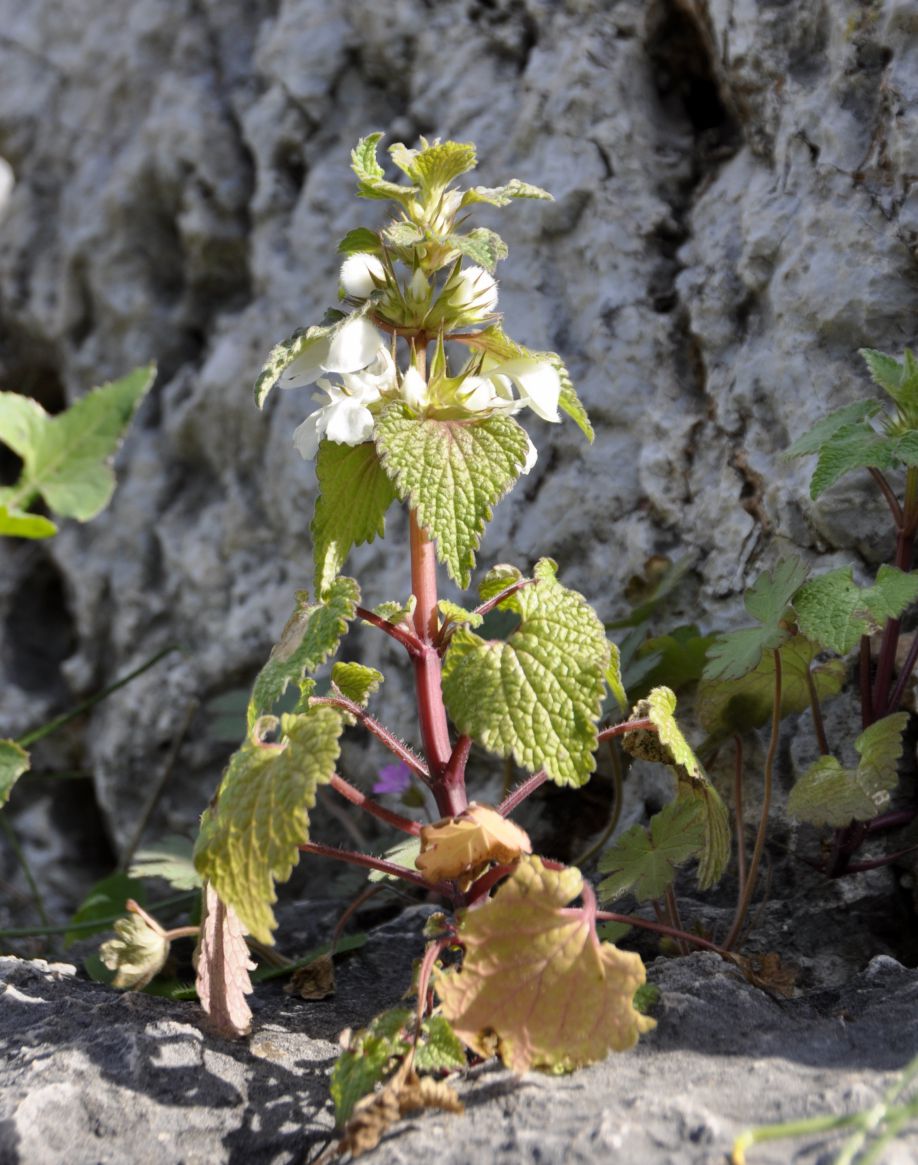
(93,1077)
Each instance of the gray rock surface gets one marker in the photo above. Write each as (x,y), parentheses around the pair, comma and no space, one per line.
(90,1077)
(734,217)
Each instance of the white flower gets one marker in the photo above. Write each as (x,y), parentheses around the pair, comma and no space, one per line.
(537,382)
(361,274)
(474,289)
(414,390)
(353,346)
(344,416)
(531,455)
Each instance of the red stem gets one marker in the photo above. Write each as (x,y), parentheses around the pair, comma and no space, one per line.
(410,642)
(662,928)
(362,801)
(485,608)
(371,863)
(450,795)
(389,739)
(627,726)
(521,792)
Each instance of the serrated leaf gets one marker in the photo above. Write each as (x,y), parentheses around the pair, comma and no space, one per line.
(439,1049)
(402,234)
(669,746)
(828,794)
(537,695)
(66,458)
(645,862)
(14,761)
(105,899)
(370,1056)
(739,652)
(436,165)
(371,180)
(250,839)
(311,635)
(569,402)
(452,613)
(503,195)
(482,246)
(222,962)
(857,446)
(329,343)
(814,438)
(452,473)
(497,579)
(536,986)
(171,859)
(355,681)
(18,524)
(898,379)
(360,241)
(137,955)
(460,845)
(396,612)
(728,706)
(835,612)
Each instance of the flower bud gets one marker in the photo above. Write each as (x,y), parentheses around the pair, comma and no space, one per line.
(414,390)
(475,290)
(361,274)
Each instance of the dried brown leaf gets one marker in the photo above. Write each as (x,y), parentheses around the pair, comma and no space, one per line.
(223,965)
(314,981)
(460,845)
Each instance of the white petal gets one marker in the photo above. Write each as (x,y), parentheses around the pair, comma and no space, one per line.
(539,385)
(531,455)
(414,390)
(477,394)
(353,346)
(349,423)
(307,367)
(476,289)
(361,274)
(306,437)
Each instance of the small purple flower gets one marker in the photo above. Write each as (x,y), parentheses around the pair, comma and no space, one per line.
(394,778)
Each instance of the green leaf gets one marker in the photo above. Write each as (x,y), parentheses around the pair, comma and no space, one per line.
(484,247)
(738,653)
(402,235)
(828,794)
(503,195)
(569,401)
(370,1057)
(171,859)
(899,380)
(14,761)
(669,746)
(814,438)
(359,242)
(403,854)
(451,473)
(311,635)
(536,696)
(354,495)
(434,166)
(303,342)
(835,612)
(453,613)
(250,839)
(439,1049)
(371,179)
(18,524)
(106,898)
(614,678)
(728,706)
(66,457)
(679,658)
(396,612)
(497,579)
(645,862)
(355,681)
(856,446)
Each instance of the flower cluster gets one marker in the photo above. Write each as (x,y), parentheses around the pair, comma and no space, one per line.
(361,360)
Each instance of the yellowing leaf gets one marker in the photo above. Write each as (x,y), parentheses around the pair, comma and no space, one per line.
(251,838)
(14,761)
(460,845)
(223,964)
(536,985)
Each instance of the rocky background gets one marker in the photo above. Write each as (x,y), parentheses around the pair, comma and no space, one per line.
(734,217)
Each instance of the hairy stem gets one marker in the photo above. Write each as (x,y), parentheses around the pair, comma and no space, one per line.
(389,739)
(362,801)
(521,792)
(371,863)
(746,897)
(626,726)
